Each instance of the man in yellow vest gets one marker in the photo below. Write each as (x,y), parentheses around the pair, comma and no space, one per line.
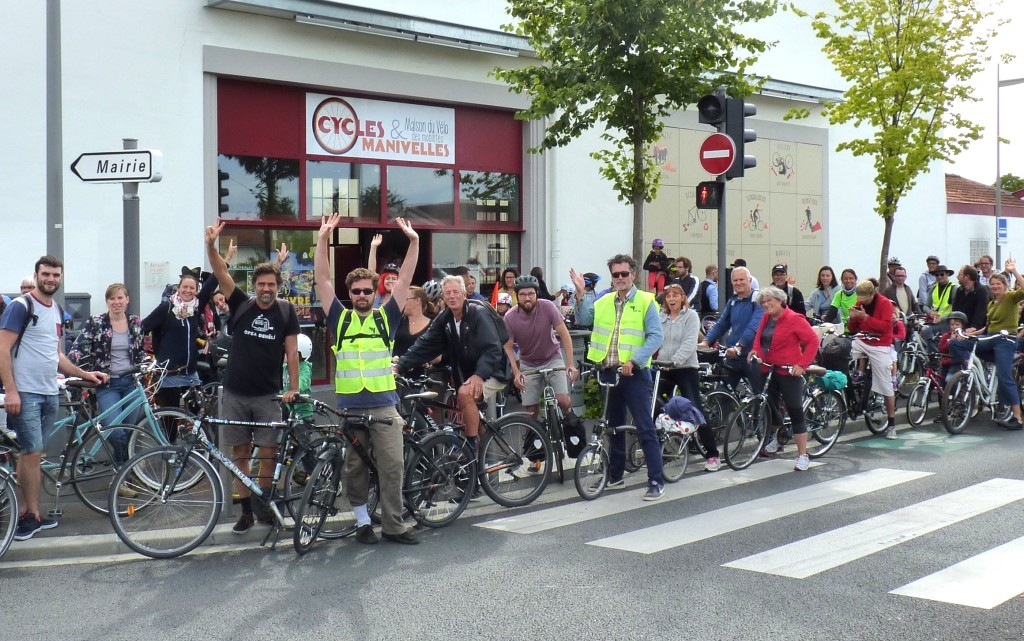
(364,381)
(627,332)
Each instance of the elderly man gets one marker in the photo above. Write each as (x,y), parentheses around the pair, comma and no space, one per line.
(737,326)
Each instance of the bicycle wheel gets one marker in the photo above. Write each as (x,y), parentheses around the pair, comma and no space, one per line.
(168,520)
(719,409)
(957,403)
(675,454)
(439,480)
(591,474)
(505,450)
(300,469)
(557,446)
(168,425)
(8,511)
(95,461)
(634,452)
(317,503)
(910,364)
(917,403)
(746,434)
(825,416)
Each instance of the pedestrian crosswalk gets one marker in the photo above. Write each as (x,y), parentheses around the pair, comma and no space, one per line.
(982,581)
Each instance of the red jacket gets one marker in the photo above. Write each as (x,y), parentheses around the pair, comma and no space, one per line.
(879,321)
(794,342)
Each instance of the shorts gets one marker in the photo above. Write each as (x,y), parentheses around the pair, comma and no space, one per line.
(38,412)
(491,388)
(559,381)
(262,409)
(881,365)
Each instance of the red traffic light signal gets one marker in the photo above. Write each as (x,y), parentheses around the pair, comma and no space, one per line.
(709,195)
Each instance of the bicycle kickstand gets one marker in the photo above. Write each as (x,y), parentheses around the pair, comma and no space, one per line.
(275,529)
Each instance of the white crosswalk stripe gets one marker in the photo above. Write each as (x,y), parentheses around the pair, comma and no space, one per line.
(735,517)
(828,550)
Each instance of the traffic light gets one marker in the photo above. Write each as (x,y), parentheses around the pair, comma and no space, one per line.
(711,110)
(709,194)
(736,112)
(222,191)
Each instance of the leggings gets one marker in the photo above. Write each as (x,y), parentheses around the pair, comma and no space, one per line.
(791,389)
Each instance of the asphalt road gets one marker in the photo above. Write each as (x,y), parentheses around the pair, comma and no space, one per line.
(537,572)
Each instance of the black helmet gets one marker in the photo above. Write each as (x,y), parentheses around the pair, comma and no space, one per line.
(390,268)
(526,281)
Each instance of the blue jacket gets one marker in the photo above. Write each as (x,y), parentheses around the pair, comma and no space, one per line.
(738,323)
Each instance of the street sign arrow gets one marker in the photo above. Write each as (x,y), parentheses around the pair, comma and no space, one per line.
(717,153)
(134,166)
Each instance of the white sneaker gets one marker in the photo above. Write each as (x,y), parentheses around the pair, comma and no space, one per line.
(772,446)
(802,463)
(713,464)
(890,433)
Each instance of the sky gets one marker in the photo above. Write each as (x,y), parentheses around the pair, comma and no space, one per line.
(978,162)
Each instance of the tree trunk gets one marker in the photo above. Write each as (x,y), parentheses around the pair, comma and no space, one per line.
(883,260)
(638,206)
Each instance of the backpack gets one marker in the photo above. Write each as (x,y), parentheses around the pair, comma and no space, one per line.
(499,322)
(30,317)
(835,353)
(378,319)
(244,308)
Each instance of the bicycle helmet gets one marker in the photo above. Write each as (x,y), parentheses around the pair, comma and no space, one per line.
(590,279)
(658,243)
(894,261)
(569,289)
(526,281)
(960,316)
(390,268)
(305,346)
(432,288)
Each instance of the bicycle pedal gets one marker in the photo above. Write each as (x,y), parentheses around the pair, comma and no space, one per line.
(55,513)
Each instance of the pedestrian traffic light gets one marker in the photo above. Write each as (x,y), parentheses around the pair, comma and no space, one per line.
(709,194)
(222,191)
(736,112)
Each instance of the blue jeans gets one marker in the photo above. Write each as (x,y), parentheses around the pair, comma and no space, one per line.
(1000,350)
(106,397)
(633,392)
(38,412)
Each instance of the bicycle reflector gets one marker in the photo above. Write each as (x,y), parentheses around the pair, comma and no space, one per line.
(709,194)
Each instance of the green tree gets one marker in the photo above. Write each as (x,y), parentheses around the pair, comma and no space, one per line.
(908,62)
(626,65)
(1011,183)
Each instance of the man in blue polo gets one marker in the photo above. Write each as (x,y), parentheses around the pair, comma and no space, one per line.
(737,325)
(627,332)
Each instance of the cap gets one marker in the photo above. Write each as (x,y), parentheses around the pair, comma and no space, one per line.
(931,259)
(780,268)
(505,297)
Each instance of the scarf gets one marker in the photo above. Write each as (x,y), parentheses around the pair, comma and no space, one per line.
(849,291)
(181,309)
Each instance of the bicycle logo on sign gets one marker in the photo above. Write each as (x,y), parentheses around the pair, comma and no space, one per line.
(695,216)
(754,221)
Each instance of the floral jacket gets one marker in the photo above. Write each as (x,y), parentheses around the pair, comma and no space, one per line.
(92,348)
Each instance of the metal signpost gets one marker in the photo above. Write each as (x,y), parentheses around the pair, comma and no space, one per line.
(128,167)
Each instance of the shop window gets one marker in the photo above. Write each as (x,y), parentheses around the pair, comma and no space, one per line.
(351,190)
(259,188)
(261,245)
(488,196)
(485,253)
(423,195)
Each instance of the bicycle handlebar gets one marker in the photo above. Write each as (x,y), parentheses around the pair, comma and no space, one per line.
(543,371)
(323,408)
(754,358)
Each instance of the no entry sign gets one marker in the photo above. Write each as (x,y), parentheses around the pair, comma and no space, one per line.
(717,154)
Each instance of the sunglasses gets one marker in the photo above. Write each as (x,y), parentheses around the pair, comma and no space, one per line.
(620,274)
(361,292)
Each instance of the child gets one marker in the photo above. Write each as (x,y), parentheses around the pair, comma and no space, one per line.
(956,321)
(899,333)
(303,411)
(657,264)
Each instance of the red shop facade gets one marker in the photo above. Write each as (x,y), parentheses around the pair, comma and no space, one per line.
(288,155)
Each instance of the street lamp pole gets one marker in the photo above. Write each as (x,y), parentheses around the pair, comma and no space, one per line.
(998,187)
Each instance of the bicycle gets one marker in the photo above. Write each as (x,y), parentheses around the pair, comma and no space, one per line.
(591,472)
(718,404)
(969,390)
(8,500)
(861,400)
(913,356)
(438,482)
(166,501)
(550,417)
(920,397)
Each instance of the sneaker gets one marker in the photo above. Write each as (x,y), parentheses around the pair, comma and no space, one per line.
(406,538)
(713,464)
(478,494)
(126,492)
(654,492)
(895,382)
(857,378)
(243,524)
(535,468)
(28,525)
(615,485)
(366,535)
(770,449)
(47,524)
(1013,424)
(802,463)
(890,433)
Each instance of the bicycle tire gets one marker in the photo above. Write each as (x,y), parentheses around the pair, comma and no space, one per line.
(635,458)
(917,403)
(719,409)
(439,480)
(825,417)
(910,367)
(155,522)
(746,435)
(300,469)
(8,511)
(557,446)
(871,405)
(957,403)
(675,455)
(591,473)
(167,420)
(94,463)
(317,502)
(503,458)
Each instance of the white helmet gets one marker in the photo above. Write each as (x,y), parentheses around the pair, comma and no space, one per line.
(305,346)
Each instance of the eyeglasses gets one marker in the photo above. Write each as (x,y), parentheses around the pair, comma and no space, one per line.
(621,274)
(984,264)
(361,292)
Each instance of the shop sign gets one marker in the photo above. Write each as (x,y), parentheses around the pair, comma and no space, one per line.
(361,128)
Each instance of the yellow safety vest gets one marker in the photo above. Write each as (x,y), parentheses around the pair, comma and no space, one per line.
(631,327)
(940,302)
(362,358)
